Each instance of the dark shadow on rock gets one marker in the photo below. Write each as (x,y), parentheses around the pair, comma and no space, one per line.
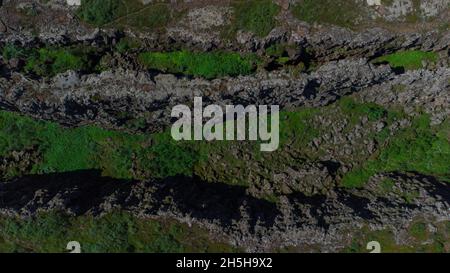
(332,166)
(82,192)
(4,72)
(79,191)
(311,89)
(431,184)
(215,201)
(87,191)
(316,205)
(358,204)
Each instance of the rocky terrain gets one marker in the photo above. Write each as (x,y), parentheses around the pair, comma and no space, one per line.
(364,144)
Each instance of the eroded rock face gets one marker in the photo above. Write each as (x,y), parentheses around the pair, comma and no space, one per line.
(398,10)
(432,93)
(202,25)
(71,99)
(255,224)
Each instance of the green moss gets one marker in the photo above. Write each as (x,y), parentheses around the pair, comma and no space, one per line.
(297,128)
(276,50)
(149,17)
(420,148)
(130,13)
(257,16)
(385,237)
(334,12)
(113,233)
(11,51)
(89,147)
(126,44)
(357,178)
(408,60)
(410,196)
(100,12)
(167,157)
(387,2)
(283,60)
(49,61)
(424,241)
(387,185)
(208,65)
(355,110)
(418,231)
(48,228)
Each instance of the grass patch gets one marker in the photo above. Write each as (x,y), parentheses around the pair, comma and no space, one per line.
(152,16)
(387,2)
(386,238)
(208,65)
(11,51)
(100,12)
(276,50)
(297,127)
(167,157)
(418,231)
(124,13)
(113,233)
(355,110)
(408,60)
(387,185)
(127,44)
(49,61)
(257,16)
(90,147)
(342,13)
(420,148)
(424,241)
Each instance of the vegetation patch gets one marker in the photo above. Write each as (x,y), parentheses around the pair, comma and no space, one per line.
(116,232)
(418,230)
(419,148)
(257,16)
(124,13)
(387,185)
(152,16)
(423,241)
(207,64)
(49,61)
(90,147)
(127,44)
(355,110)
(100,12)
(342,13)
(11,51)
(408,60)
(297,127)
